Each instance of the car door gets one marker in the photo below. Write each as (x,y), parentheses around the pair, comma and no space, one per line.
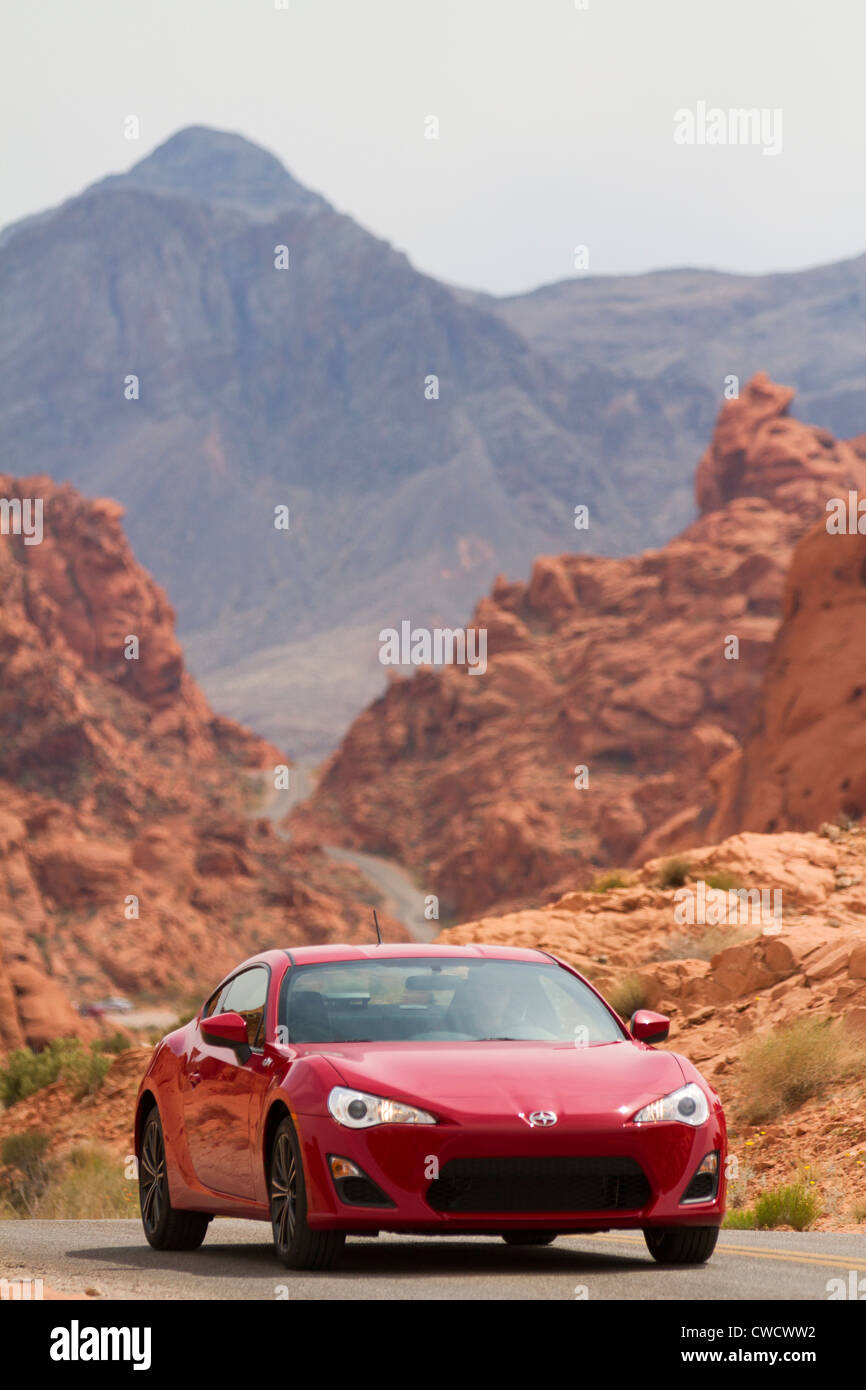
(223,1087)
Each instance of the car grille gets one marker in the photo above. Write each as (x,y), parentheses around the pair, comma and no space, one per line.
(539,1184)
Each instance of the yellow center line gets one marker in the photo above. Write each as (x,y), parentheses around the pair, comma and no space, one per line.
(855,1262)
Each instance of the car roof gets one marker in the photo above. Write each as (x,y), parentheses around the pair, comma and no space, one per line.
(319,955)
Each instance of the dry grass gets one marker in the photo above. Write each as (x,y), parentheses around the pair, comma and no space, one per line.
(703,945)
(89,1185)
(627,995)
(784,1068)
(613,879)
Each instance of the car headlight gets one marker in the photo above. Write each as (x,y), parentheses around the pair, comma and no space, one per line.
(359,1110)
(688,1105)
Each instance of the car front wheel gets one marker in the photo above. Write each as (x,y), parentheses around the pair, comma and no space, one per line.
(297,1246)
(681,1245)
(165,1227)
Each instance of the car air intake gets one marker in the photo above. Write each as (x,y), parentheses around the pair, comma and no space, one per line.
(702,1188)
(539,1184)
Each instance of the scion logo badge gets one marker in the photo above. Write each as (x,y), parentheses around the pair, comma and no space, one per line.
(540,1119)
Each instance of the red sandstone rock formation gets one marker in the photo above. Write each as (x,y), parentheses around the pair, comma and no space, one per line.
(615,665)
(118,781)
(804,761)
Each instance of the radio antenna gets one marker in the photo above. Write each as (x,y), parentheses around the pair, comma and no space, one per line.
(378,933)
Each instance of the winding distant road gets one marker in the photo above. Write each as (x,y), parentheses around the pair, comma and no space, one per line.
(112,1259)
(401,896)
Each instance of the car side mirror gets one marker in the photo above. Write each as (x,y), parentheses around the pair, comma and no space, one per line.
(227,1028)
(649,1027)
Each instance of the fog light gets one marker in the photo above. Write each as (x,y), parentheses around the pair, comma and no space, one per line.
(710,1164)
(344,1168)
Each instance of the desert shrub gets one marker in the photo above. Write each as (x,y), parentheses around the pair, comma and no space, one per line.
(26,1071)
(782,1069)
(704,945)
(25,1151)
(723,881)
(90,1186)
(627,995)
(115,1042)
(24,1171)
(604,882)
(674,872)
(858,1211)
(84,1071)
(794,1205)
(741,1219)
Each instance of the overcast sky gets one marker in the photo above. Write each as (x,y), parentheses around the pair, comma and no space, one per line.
(556,123)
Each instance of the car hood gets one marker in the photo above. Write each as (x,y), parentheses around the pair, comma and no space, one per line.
(499,1079)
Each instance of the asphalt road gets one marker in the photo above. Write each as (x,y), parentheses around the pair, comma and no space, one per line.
(112,1259)
(401,896)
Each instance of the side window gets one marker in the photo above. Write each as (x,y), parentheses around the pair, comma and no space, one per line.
(246,995)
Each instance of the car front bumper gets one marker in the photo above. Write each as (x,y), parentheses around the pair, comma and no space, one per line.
(405,1161)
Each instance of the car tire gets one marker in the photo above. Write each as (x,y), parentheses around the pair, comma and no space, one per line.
(681,1245)
(165,1227)
(296,1244)
(529,1237)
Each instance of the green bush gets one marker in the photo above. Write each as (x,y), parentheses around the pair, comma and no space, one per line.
(674,872)
(741,1220)
(115,1042)
(84,1072)
(26,1071)
(723,881)
(794,1205)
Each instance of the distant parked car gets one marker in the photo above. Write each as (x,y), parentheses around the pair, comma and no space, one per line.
(91,1010)
(115,1005)
(425,1089)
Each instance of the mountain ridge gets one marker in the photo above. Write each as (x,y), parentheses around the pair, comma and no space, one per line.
(621,671)
(306,388)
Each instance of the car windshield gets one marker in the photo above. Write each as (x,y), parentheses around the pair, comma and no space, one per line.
(440,1000)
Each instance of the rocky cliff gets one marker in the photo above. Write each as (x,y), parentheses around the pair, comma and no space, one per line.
(642,672)
(804,759)
(130,860)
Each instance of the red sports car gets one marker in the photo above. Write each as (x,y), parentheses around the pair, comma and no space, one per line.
(347,1090)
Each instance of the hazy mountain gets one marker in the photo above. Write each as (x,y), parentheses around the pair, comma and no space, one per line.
(306,387)
(692,328)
